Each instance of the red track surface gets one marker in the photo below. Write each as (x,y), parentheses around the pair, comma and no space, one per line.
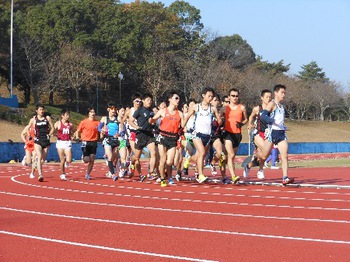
(102,220)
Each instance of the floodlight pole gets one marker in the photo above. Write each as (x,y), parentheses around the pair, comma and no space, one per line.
(11,52)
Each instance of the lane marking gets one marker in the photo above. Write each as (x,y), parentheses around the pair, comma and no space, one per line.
(103,247)
(185,192)
(179,210)
(226,232)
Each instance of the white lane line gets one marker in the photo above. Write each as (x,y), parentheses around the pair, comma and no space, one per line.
(103,247)
(226,232)
(196,200)
(179,210)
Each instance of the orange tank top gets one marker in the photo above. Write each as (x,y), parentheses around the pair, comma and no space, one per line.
(170,123)
(232,117)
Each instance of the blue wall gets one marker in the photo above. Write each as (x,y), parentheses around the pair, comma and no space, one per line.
(15,151)
(11,102)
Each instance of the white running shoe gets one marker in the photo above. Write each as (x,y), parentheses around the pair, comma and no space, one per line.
(63,177)
(275,167)
(109,175)
(31,176)
(246,171)
(260,174)
(24,161)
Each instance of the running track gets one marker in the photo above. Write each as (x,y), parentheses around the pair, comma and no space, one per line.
(102,220)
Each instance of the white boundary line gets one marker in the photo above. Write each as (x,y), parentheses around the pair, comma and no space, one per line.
(226,232)
(102,247)
(198,212)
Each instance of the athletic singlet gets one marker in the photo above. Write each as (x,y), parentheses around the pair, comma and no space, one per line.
(278,116)
(170,123)
(30,135)
(203,120)
(232,117)
(260,126)
(112,126)
(190,124)
(63,133)
(128,126)
(41,128)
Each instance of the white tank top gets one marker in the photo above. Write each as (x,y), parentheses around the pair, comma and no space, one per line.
(203,120)
(278,115)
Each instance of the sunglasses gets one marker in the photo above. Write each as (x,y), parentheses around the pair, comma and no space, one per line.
(234,95)
(137,101)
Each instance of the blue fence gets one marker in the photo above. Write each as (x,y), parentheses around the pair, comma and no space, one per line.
(15,151)
(11,102)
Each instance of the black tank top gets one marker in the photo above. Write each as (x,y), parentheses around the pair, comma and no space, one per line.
(41,128)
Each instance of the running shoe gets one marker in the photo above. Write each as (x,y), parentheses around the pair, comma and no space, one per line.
(222,160)
(226,181)
(235,179)
(213,170)
(178,176)
(40,178)
(87,177)
(63,177)
(275,167)
(24,161)
(142,178)
(152,176)
(158,180)
(115,177)
(202,178)
(109,174)
(246,171)
(187,162)
(185,170)
(261,174)
(266,165)
(287,180)
(121,173)
(163,183)
(31,176)
(171,181)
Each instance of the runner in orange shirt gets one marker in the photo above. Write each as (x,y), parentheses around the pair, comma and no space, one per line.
(88,132)
(170,126)
(27,136)
(235,117)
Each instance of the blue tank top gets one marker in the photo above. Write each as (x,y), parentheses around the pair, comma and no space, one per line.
(112,126)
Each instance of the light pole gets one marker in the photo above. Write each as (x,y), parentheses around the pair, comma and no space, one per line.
(11,51)
(120,76)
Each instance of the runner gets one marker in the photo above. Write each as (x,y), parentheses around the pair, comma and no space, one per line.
(169,132)
(144,135)
(109,130)
(88,132)
(64,143)
(43,130)
(204,115)
(256,130)
(235,117)
(274,115)
(136,99)
(29,158)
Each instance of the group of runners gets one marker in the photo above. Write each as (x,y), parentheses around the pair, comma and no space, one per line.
(175,136)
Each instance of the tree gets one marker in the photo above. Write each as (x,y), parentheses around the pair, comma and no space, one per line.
(77,66)
(271,68)
(312,72)
(233,49)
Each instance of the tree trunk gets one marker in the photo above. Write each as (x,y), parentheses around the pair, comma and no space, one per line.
(51,98)
(77,99)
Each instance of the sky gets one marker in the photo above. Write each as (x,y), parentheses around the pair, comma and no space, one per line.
(295,31)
